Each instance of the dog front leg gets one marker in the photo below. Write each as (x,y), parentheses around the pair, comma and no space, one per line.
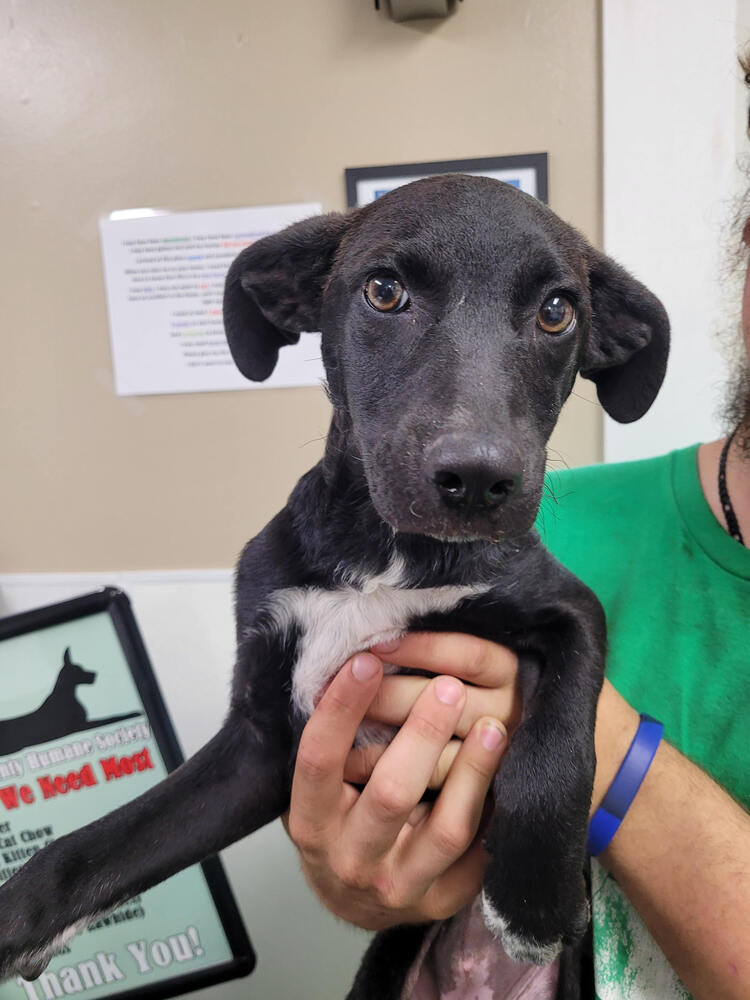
(235,784)
(534,895)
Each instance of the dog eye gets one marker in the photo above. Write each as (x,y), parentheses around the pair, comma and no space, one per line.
(386,293)
(557,315)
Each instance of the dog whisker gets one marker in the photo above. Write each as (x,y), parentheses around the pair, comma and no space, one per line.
(320,437)
(585,399)
(559,460)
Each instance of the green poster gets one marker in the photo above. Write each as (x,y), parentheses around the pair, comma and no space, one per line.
(83,730)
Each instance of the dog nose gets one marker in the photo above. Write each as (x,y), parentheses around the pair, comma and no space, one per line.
(479,481)
(474,487)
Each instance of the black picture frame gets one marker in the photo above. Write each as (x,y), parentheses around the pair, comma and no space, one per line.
(116,604)
(523,168)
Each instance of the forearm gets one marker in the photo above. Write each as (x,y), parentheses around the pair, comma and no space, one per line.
(682,856)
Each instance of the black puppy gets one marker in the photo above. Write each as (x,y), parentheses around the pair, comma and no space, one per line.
(456,313)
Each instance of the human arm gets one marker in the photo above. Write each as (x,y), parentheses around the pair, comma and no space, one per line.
(682,854)
(682,857)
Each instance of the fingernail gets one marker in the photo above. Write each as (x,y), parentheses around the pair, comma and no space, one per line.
(364,666)
(386,647)
(448,690)
(491,736)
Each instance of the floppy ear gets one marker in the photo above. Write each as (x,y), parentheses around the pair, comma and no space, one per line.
(274,289)
(626,353)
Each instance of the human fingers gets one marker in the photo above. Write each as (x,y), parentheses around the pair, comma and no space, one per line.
(452,824)
(362,760)
(403,772)
(318,786)
(437,863)
(398,693)
(477,661)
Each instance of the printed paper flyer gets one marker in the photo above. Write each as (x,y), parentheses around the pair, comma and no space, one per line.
(164,276)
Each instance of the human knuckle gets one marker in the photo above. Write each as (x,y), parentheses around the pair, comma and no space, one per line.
(476,661)
(354,874)
(480,769)
(388,893)
(451,839)
(427,728)
(307,840)
(313,763)
(306,835)
(390,799)
(349,873)
(306,844)
(335,703)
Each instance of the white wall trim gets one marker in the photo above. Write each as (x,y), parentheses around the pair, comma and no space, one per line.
(670,145)
(123,577)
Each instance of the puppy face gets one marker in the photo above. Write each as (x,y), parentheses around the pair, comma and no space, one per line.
(455,313)
(453,324)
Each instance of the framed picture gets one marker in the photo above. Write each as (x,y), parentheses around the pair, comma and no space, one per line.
(527,172)
(83,730)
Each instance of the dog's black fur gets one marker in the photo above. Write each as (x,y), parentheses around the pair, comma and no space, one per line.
(434,465)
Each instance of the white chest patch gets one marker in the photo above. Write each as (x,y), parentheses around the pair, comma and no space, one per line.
(335,624)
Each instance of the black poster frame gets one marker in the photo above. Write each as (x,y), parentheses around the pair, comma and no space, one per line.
(116,604)
(538,162)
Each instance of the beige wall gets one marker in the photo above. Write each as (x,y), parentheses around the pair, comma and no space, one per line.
(189,104)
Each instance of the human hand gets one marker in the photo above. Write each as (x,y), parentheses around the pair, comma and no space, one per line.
(380,857)
(489,670)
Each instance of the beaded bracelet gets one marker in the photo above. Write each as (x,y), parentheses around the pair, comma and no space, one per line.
(606,820)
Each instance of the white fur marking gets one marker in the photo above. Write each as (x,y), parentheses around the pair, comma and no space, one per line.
(45,954)
(337,623)
(518,948)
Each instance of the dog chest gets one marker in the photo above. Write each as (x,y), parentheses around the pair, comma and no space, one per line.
(334,624)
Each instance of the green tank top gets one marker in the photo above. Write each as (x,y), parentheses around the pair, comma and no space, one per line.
(676,591)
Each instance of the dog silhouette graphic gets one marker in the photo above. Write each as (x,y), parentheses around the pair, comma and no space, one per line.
(60,714)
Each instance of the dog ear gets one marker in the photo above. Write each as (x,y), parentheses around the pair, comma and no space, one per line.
(626,354)
(66,657)
(274,290)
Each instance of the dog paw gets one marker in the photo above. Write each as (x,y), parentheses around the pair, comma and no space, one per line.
(517,946)
(30,960)
(32,931)
(26,964)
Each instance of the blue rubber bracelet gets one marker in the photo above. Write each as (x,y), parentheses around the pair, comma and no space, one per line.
(606,820)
